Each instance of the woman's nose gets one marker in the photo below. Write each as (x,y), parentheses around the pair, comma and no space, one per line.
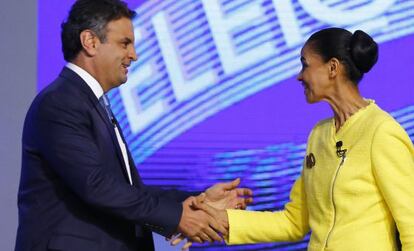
(299,76)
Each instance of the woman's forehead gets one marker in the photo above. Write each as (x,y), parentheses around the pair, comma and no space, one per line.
(306,51)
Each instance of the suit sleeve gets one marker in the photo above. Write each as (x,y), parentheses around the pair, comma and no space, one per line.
(67,144)
(393,167)
(290,224)
(172,194)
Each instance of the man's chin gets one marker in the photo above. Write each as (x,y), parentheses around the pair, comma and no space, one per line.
(119,83)
(123,80)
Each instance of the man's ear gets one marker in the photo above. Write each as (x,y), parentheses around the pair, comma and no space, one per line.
(89,42)
(333,65)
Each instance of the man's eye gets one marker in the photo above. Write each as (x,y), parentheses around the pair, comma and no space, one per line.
(125,44)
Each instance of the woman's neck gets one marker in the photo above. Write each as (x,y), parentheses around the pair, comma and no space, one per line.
(345,102)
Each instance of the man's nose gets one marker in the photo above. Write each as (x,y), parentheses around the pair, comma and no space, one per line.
(133,54)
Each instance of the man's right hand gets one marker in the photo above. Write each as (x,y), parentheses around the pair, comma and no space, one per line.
(197,225)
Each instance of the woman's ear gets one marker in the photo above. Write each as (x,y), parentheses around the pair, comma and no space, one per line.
(334,66)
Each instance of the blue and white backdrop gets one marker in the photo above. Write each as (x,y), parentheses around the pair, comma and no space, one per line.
(213,95)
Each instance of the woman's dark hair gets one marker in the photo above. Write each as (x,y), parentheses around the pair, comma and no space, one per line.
(358,52)
(93,15)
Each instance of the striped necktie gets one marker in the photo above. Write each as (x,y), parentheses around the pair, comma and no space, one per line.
(104,101)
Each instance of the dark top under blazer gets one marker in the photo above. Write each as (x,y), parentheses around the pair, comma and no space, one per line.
(74,192)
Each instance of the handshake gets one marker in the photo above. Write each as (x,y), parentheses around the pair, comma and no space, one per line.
(204,217)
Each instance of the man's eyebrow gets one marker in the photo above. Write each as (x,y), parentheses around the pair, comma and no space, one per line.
(126,40)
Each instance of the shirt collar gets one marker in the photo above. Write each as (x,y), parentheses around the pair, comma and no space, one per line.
(90,81)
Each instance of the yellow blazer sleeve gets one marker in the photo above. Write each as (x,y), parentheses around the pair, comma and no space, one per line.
(291,224)
(393,167)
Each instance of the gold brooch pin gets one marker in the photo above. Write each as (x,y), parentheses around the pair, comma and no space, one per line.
(310,160)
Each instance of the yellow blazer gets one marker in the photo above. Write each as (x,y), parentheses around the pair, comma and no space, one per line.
(349,203)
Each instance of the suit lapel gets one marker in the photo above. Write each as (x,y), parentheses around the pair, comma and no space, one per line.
(111,131)
(77,80)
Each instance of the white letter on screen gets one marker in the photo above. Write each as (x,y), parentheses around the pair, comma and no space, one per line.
(220,27)
(288,22)
(335,16)
(138,118)
(183,89)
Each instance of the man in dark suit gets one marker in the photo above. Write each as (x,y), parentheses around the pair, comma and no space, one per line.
(79,188)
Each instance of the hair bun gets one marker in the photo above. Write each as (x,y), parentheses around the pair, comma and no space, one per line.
(364,51)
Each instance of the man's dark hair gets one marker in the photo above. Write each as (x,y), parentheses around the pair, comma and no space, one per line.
(93,15)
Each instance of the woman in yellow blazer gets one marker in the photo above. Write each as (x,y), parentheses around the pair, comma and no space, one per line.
(357,185)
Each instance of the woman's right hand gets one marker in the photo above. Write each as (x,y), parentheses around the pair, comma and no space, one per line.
(220,215)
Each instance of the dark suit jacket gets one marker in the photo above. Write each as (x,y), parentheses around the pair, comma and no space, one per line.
(74,192)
